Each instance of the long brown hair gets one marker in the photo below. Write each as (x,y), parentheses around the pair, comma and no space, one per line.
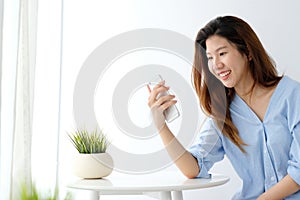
(214,97)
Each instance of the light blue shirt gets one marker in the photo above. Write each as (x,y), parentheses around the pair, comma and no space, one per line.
(273,149)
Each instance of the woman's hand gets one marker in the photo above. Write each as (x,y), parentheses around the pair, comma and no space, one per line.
(158,103)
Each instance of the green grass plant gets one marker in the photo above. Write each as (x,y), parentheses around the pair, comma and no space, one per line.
(31,193)
(89,142)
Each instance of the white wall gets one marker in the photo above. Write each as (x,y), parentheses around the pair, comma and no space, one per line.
(90,23)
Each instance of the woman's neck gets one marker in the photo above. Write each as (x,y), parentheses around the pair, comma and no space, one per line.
(254,92)
(245,88)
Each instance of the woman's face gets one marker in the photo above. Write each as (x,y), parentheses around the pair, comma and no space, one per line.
(227,63)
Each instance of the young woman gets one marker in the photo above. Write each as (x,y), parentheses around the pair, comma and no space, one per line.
(253,113)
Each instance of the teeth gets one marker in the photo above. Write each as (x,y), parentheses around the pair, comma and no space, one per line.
(224,73)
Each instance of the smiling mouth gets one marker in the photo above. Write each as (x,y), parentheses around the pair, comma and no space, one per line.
(224,74)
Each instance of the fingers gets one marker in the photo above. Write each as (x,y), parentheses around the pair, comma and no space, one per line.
(169,103)
(149,89)
(164,100)
(161,83)
(159,100)
(156,91)
(158,96)
(158,109)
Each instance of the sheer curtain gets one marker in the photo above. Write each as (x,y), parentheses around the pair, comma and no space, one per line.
(17,92)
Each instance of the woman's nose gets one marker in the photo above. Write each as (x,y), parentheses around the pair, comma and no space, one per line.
(219,65)
(216,63)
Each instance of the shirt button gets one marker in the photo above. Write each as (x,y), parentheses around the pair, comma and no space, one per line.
(272,178)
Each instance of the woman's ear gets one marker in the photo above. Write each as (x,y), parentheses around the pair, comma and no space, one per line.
(249,57)
(248,53)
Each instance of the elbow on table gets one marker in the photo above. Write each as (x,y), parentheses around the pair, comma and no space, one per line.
(192,174)
(189,176)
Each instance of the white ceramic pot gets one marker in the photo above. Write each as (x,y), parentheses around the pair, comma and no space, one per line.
(96,165)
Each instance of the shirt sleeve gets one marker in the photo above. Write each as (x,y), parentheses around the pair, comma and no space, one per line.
(294,125)
(207,148)
(294,162)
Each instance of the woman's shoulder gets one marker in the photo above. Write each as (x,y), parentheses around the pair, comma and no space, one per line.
(287,91)
(289,83)
(209,125)
(290,96)
(288,87)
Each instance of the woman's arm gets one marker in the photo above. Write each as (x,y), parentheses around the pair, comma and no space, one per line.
(282,189)
(184,160)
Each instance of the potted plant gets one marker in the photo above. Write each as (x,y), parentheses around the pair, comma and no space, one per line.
(92,160)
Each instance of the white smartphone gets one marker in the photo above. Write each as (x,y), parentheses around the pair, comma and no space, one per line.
(172,112)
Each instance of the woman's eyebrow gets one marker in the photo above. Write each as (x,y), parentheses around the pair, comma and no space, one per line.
(217,50)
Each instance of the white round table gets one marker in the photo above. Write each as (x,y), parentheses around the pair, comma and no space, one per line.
(169,184)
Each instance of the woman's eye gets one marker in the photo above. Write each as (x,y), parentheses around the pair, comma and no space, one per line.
(209,58)
(223,53)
